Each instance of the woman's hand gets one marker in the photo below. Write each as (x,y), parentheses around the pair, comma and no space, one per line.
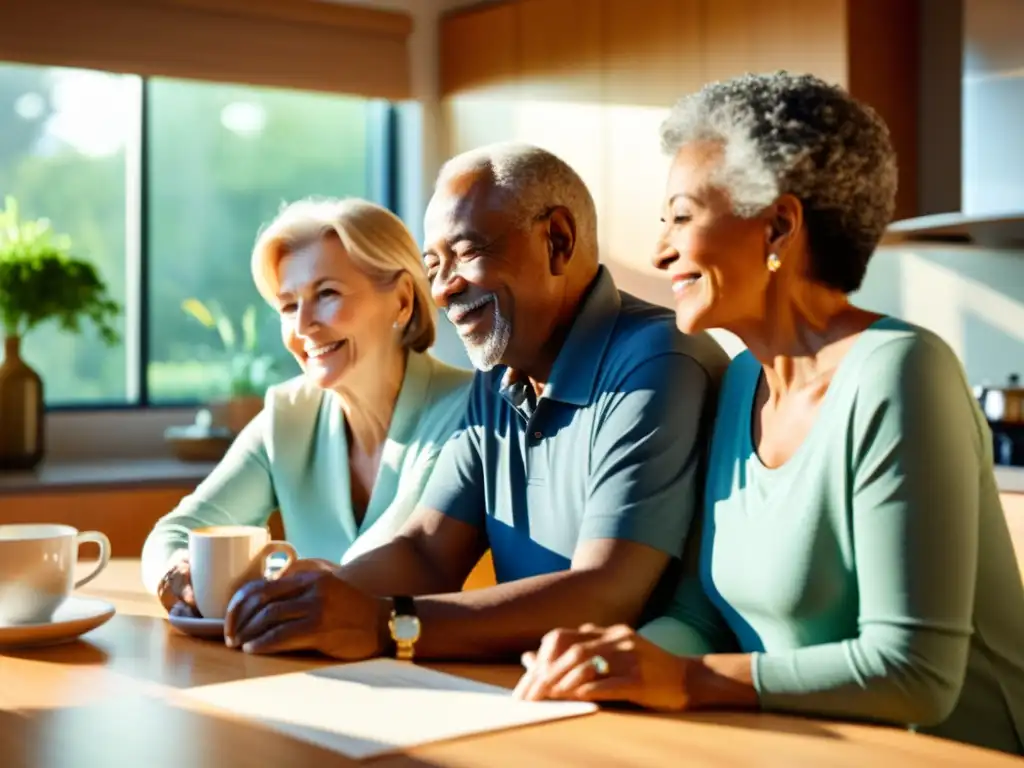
(633,669)
(306,608)
(175,590)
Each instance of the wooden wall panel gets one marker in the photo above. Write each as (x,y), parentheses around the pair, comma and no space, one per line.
(125,515)
(560,49)
(652,56)
(728,24)
(604,118)
(483,105)
(754,36)
(479,50)
(652,51)
(560,76)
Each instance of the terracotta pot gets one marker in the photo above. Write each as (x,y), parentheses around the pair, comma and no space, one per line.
(236,412)
(22,410)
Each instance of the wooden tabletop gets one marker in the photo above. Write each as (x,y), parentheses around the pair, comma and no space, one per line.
(109,700)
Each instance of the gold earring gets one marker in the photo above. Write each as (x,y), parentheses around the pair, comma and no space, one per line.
(774,262)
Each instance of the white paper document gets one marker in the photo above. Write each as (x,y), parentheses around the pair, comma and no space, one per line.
(373,707)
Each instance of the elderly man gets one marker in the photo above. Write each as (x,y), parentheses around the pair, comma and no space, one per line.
(579,462)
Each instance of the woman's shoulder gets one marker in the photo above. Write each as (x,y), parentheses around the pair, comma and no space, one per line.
(446,380)
(294,396)
(900,374)
(445,396)
(892,351)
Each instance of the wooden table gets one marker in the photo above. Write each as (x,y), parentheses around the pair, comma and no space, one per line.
(109,701)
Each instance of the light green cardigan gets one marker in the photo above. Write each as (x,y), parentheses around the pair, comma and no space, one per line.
(294,457)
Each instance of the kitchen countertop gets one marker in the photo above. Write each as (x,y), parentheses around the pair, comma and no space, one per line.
(67,476)
(1010,479)
(63,477)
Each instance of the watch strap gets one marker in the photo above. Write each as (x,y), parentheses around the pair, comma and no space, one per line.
(403,605)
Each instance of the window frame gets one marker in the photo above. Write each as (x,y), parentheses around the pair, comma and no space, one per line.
(383,183)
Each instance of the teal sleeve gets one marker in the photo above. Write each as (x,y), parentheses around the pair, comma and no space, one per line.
(691,625)
(647,454)
(916,458)
(239,491)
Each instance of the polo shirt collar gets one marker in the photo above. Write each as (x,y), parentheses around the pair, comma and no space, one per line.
(574,375)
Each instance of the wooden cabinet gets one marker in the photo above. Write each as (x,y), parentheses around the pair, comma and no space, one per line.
(479,72)
(754,36)
(125,514)
(592,80)
(652,56)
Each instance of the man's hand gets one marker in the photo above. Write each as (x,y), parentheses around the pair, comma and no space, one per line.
(307,608)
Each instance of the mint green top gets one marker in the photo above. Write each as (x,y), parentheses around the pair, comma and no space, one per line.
(872,575)
(294,457)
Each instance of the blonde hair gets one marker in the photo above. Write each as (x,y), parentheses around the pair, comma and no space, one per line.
(376,240)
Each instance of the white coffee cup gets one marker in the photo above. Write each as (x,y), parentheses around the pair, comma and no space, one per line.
(223,558)
(37,569)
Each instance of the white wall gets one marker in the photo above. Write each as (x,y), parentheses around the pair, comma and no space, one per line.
(972,297)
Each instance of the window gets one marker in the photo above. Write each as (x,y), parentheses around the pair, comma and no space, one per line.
(164,184)
(64,136)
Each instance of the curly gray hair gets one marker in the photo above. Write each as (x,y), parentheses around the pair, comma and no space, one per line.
(783,133)
(533,181)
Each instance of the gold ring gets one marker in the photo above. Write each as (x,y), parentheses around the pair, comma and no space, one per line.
(600,665)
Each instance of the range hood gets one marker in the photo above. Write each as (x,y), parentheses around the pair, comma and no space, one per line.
(970,162)
(1004,230)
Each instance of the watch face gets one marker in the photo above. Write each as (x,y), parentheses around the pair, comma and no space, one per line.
(406,628)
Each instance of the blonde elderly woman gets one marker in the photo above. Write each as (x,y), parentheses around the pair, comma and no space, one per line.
(345,449)
(854,561)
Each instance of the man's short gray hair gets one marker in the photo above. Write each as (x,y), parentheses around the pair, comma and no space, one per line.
(533,181)
(796,134)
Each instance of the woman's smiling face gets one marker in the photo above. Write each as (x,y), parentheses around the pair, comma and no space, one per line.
(715,259)
(334,319)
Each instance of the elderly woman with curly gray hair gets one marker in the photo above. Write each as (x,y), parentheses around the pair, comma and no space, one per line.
(852,560)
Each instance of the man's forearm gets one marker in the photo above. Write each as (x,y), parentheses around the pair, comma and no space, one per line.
(503,621)
(397,568)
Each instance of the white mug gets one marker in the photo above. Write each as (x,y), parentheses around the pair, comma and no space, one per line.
(37,569)
(223,558)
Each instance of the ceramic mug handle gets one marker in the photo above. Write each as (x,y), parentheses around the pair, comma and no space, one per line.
(257,568)
(274,548)
(104,544)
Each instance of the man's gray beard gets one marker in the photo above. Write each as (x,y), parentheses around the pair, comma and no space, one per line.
(488,353)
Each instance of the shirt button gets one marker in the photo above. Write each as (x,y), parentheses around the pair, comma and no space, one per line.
(538,435)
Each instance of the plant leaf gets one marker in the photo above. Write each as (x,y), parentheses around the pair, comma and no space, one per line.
(40,280)
(226,331)
(249,329)
(199,311)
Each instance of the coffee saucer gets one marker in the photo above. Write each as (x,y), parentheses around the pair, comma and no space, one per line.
(75,617)
(195,626)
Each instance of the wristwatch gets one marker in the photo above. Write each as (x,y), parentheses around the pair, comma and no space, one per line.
(404,626)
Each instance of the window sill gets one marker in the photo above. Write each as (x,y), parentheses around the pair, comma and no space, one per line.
(67,476)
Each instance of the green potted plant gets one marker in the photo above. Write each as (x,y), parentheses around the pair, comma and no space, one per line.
(40,281)
(247,370)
